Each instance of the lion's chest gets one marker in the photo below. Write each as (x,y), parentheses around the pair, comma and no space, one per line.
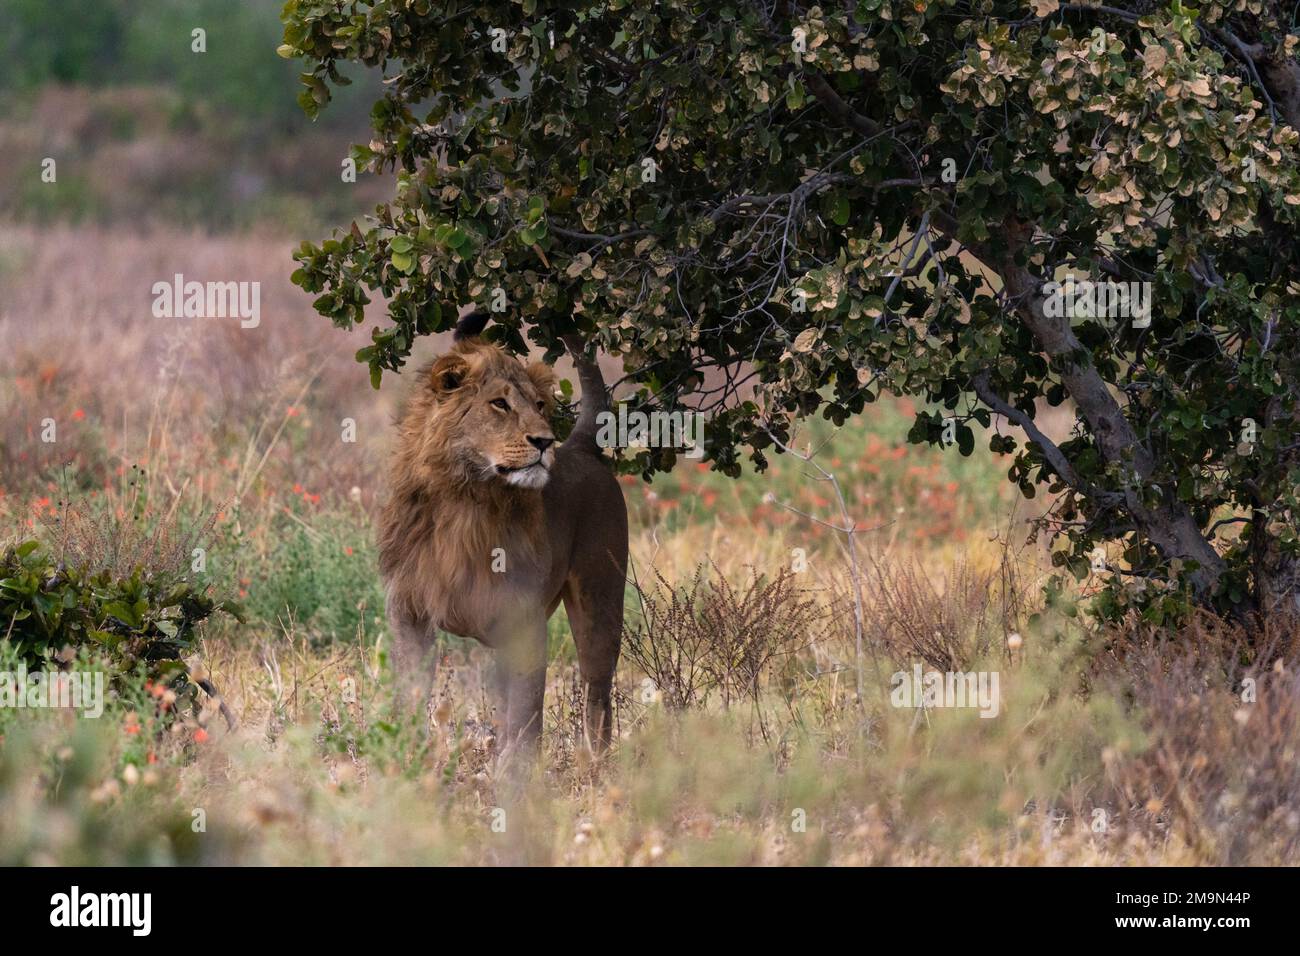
(482,592)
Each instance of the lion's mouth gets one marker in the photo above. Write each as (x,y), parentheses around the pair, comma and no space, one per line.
(534,475)
(507,470)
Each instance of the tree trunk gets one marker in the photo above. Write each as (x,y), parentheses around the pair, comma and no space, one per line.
(1170,526)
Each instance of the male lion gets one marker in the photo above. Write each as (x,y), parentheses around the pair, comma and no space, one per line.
(489,525)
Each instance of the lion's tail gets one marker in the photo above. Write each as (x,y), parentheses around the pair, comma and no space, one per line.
(594,400)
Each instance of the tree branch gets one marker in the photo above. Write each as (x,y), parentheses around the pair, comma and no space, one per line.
(1053,454)
(1278,77)
(600,241)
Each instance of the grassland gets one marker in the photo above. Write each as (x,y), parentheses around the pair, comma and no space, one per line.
(741,737)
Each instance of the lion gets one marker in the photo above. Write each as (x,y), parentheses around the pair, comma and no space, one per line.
(490,524)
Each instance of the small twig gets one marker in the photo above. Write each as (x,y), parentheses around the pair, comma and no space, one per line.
(849,529)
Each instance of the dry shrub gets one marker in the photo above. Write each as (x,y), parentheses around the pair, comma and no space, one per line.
(708,637)
(947,624)
(565,700)
(95,539)
(669,644)
(1220,769)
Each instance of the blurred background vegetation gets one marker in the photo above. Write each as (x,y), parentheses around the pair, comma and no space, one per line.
(144,129)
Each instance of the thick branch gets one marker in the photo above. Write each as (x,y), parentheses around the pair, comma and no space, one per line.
(1169,525)
(1281,78)
(844,114)
(847,116)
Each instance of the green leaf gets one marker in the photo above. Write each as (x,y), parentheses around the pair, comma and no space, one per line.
(839,210)
(965,440)
(124,612)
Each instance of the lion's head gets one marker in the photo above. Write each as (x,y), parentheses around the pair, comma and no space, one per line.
(480,415)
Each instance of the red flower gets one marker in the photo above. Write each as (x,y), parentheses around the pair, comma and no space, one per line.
(78,414)
(200,736)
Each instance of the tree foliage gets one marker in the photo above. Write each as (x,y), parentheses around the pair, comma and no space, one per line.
(828,202)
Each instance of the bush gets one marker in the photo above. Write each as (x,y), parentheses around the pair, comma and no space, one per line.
(106,586)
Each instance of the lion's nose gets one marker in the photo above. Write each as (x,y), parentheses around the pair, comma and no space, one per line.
(540,443)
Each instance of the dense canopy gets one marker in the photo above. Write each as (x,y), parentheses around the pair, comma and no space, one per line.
(829,202)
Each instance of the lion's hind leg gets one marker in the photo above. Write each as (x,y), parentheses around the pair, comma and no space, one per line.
(593,601)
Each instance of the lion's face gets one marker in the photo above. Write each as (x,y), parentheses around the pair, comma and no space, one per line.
(489,414)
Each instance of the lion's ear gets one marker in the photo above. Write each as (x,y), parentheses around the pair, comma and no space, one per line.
(448,373)
(543,379)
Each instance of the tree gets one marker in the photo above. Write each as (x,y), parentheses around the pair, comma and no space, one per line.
(828,202)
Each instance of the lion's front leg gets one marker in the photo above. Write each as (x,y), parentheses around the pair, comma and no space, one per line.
(520,678)
(414,666)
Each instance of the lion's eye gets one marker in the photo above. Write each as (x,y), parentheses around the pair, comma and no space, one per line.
(541,406)
(501,403)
